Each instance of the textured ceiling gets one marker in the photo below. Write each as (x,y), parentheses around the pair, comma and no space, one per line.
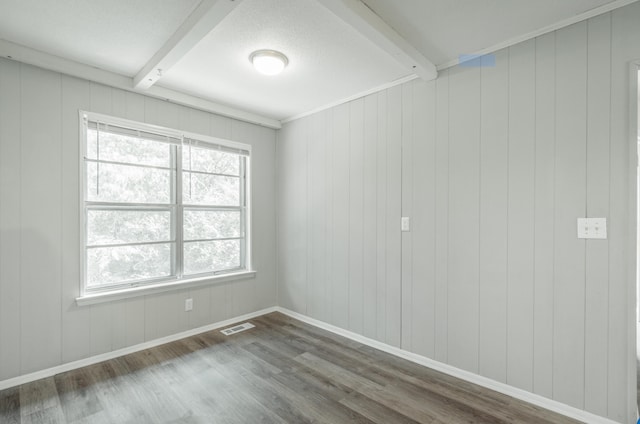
(115,35)
(328,60)
(444,29)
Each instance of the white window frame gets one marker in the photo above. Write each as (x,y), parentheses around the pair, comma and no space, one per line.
(178,140)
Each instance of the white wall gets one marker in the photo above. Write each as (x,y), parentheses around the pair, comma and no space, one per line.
(40,325)
(493,165)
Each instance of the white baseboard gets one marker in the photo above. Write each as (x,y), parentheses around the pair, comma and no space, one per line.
(27,378)
(497,386)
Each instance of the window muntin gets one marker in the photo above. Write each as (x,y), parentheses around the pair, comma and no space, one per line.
(158,206)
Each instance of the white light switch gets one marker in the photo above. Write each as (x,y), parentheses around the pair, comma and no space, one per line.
(592,228)
(405,223)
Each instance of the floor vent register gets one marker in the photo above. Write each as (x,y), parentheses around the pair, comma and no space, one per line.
(237,328)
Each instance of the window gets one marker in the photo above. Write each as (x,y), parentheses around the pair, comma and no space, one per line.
(160,206)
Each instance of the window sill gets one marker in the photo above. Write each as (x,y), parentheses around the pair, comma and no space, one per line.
(110,296)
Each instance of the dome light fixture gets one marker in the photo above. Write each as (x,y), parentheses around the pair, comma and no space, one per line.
(268,62)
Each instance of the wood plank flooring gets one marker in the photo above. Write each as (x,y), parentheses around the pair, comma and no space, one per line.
(282,371)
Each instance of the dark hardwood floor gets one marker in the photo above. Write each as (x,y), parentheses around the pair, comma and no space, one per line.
(282,371)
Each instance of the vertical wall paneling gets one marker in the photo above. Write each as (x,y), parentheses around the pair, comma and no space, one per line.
(381,226)
(369,221)
(218,302)
(494,215)
(119,102)
(480,157)
(244,296)
(494,164)
(624,48)
(264,212)
(310,216)
(40,211)
(10,221)
(407,145)
(340,263)
(259,292)
(201,123)
(291,225)
(632,244)
(545,70)
(171,317)
(40,324)
(329,228)
(220,126)
(210,304)
(356,215)
(597,253)
(134,106)
(442,217)
(464,216)
(76,328)
(521,215)
(394,205)
(129,322)
(318,301)
(421,325)
(570,202)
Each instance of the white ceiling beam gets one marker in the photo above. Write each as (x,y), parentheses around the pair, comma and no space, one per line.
(206,16)
(40,59)
(364,20)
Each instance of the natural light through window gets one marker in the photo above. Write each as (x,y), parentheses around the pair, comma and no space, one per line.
(160,206)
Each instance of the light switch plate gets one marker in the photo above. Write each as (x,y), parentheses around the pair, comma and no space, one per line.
(405,223)
(592,228)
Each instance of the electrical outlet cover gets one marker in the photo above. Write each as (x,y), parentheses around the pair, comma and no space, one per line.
(592,228)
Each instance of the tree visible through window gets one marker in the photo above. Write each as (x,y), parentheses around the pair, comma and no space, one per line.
(159,205)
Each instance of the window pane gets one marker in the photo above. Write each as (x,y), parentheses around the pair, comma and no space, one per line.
(207,160)
(122,148)
(118,226)
(200,225)
(108,265)
(214,190)
(127,184)
(92,145)
(209,256)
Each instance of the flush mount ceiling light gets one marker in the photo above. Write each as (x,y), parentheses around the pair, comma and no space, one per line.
(268,62)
